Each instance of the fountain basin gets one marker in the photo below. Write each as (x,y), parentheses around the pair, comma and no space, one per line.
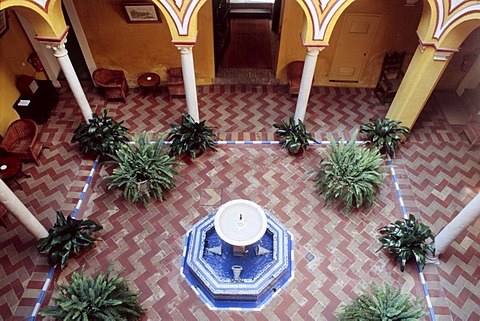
(210,274)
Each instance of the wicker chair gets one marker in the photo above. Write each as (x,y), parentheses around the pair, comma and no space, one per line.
(22,140)
(112,83)
(175,84)
(294,73)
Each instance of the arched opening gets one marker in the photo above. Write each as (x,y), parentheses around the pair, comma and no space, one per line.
(245,40)
(457,92)
(364,33)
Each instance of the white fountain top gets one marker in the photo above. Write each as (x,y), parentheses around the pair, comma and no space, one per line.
(240,222)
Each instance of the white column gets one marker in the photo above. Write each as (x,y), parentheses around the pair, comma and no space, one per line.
(306,82)
(457,226)
(23,215)
(61,53)
(188,71)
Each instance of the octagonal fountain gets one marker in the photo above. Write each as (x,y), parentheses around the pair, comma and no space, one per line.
(238,257)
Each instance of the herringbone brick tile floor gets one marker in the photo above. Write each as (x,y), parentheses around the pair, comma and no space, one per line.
(438,176)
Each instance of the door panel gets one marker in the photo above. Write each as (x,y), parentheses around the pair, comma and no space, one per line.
(355,41)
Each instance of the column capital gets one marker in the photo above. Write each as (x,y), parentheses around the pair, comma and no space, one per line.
(56,44)
(314,51)
(441,54)
(184,49)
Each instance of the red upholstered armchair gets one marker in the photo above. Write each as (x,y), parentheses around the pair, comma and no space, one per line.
(112,83)
(294,73)
(21,140)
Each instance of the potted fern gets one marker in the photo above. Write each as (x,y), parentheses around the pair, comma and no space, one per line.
(349,176)
(293,135)
(100,135)
(105,297)
(143,170)
(406,238)
(191,138)
(382,304)
(67,237)
(385,134)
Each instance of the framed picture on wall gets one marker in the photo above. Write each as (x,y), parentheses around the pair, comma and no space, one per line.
(141,12)
(3,22)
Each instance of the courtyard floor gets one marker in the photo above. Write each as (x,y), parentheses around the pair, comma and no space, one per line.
(335,256)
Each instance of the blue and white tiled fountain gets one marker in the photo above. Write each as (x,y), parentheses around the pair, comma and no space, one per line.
(238,258)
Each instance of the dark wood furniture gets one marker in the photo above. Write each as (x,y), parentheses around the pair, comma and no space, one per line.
(22,140)
(148,82)
(294,74)
(10,167)
(111,83)
(390,77)
(175,84)
(37,98)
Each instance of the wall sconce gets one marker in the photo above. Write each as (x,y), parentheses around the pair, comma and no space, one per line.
(410,2)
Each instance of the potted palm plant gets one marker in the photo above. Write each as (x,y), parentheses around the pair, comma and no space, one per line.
(143,169)
(293,135)
(382,304)
(67,237)
(190,137)
(349,175)
(406,238)
(105,297)
(100,135)
(385,134)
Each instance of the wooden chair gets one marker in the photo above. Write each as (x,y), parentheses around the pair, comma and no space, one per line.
(472,131)
(175,84)
(390,77)
(112,83)
(294,74)
(22,140)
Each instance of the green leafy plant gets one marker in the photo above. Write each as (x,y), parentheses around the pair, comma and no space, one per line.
(293,135)
(101,135)
(382,305)
(67,236)
(385,134)
(144,169)
(405,238)
(105,297)
(191,137)
(349,175)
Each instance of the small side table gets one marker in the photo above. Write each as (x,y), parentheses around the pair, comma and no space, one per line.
(148,82)
(10,167)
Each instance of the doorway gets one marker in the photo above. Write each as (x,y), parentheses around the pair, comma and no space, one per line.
(248,57)
(354,44)
(75,52)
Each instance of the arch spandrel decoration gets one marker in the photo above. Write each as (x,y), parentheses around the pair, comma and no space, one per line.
(46,16)
(322,15)
(181,16)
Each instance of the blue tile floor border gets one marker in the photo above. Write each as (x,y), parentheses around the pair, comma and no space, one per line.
(397,188)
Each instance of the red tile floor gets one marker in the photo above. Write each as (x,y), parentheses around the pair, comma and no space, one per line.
(335,256)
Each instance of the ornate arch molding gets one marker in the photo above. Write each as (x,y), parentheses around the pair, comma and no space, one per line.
(46,16)
(320,18)
(181,16)
(441,17)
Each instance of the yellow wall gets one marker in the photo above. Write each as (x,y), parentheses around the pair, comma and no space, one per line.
(396,32)
(140,47)
(14,50)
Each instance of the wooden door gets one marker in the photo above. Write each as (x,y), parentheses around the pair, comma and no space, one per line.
(356,38)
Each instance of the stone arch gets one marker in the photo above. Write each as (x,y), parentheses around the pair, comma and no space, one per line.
(181,18)
(459,31)
(48,20)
